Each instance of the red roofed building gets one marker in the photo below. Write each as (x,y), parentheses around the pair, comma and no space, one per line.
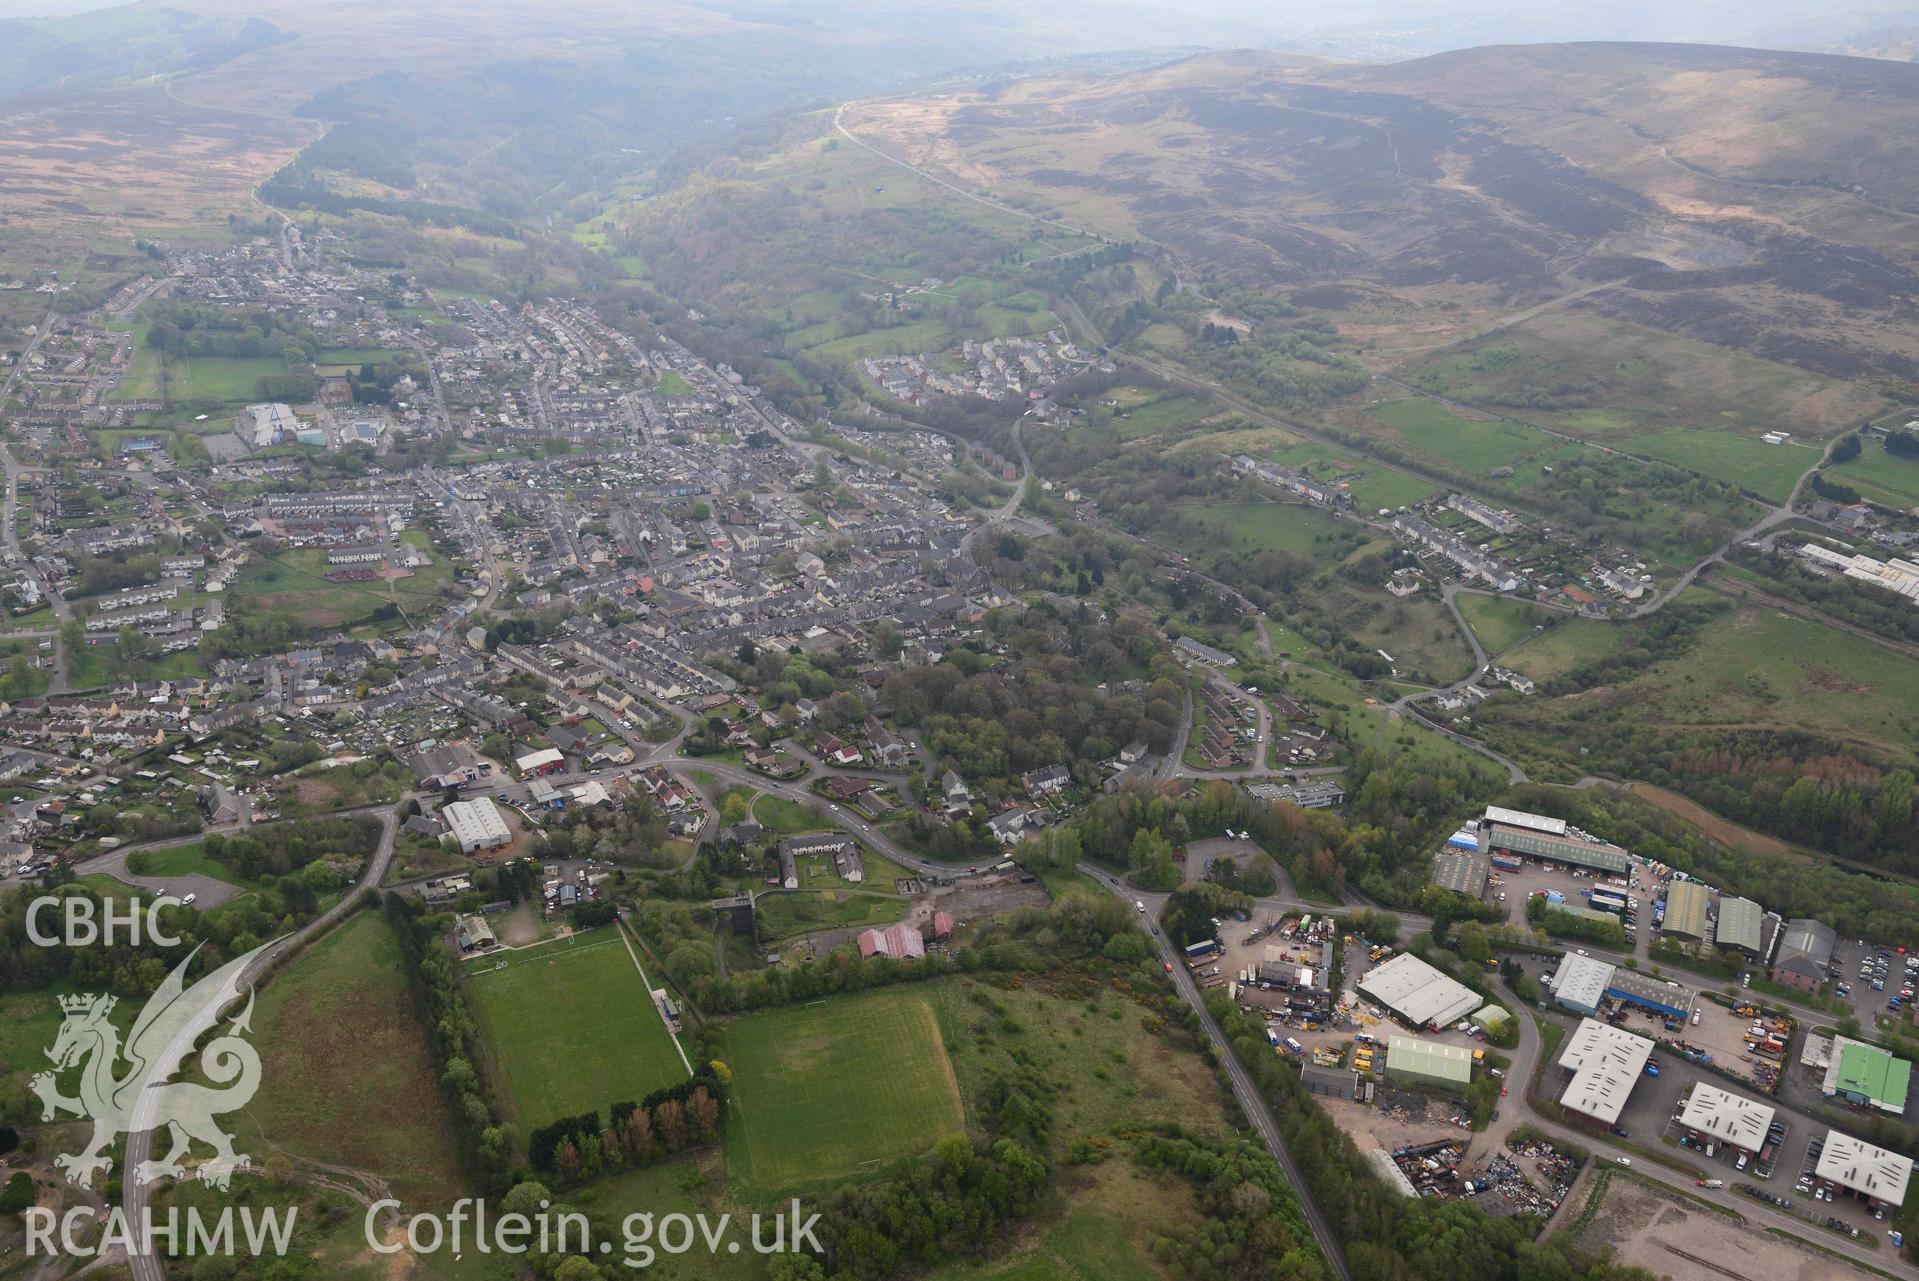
(942,926)
(901,942)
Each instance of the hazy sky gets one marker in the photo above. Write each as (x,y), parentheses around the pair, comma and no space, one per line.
(1363,28)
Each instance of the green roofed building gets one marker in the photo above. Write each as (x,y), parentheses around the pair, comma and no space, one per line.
(1449,1067)
(1558,849)
(1866,1074)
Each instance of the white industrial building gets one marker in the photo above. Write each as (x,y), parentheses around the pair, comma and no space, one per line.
(1418,993)
(1605,1063)
(1521,818)
(1901,576)
(548,758)
(476,825)
(1859,1167)
(1580,983)
(1727,1118)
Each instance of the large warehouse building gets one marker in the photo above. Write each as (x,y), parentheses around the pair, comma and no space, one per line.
(476,825)
(1605,1063)
(1878,1176)
(1417,993)
(1594,855)
(1727,1118)
(1429,1062)
(1582,982)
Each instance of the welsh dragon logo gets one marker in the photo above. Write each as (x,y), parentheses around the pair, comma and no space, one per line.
(142,1098)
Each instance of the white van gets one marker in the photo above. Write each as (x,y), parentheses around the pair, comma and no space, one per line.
(188,900)
(1141,905)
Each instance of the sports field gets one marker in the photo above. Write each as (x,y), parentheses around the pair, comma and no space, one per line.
(821,1090)
(570,1027)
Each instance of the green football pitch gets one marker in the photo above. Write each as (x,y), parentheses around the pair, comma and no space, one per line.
(825,1089)
(571,1027)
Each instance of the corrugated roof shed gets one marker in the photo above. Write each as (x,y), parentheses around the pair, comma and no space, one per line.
(1686,903)
(1739,922)
(1604,858)
(1461,873)
(1389,1172)
(1429,1060)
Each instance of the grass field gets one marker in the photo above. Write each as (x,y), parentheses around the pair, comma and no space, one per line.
(233,379)
(1260,526)
(1374,486)
(347,1078)
(785,818)
(825,1089)
(1419,632)
(294,583)
(29,1021)
(1500,622)
(1163,414)
(1478,446)
(571,1027)
(1741,458)
(1756,669)
(341,360)
(1631,378)
(1088,1039)
(1881,477)
(673,383)
(1559,649)
(187,860)
(803,911)
(899,340)
(145,378)
(1759,666)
